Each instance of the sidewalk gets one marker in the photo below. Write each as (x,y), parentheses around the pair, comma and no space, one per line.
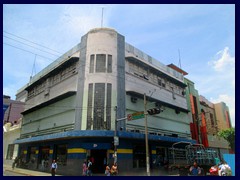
(136,172)
(25,172)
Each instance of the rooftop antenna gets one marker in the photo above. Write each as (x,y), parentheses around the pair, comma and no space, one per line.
(33,68)
(102,17)
(179,61)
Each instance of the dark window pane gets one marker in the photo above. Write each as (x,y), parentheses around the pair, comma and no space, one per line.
(61,154)
(108,110)
(89,109)
(99,101)
(109,65)
(91,67)
(101,63)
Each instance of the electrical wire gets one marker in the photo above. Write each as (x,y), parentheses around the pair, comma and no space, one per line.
(28,51)
(31,46)
(32,42)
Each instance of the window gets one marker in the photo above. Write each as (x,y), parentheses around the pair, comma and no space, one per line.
(32,154)
(91,68)
(99,100)
(31,93)
(56,79)
(173,95)
(61,154)
(109,104)
(109,65)
(101,63)
(211,118)
(10,151)
(89,110)
(163,83)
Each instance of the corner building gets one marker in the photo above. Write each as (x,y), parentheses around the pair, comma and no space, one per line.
(71,112)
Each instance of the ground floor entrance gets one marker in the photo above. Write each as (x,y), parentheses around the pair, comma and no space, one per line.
(99,158)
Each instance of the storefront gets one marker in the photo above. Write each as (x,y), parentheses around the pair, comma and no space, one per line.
(71,149)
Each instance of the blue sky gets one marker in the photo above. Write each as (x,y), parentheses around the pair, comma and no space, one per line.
(203,34)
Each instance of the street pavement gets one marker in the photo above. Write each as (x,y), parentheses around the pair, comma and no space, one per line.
(7,169)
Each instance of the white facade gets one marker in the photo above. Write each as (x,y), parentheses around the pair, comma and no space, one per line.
(107,74)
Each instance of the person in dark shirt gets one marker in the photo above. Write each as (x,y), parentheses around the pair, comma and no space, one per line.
(89,168)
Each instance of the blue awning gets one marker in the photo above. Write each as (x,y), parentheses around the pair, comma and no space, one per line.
(100,133)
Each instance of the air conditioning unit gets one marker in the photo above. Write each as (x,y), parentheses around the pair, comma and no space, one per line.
(133,99)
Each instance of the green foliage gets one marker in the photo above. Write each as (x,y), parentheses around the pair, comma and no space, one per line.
(229,135)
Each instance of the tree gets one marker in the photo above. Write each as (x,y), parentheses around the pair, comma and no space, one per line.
(229,135)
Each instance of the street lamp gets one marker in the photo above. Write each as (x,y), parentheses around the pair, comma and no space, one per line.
(115,137)
(146,136)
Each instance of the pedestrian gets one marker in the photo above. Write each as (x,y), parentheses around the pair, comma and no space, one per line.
(89,168)
(43,164)
(114,169)
(107,170)
(53,168)
(14,162)
(224,169)
(84,168)
(195,170)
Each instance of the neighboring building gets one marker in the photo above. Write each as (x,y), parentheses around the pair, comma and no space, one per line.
(222,116)
(11,126)
(197,130)
(215,142)
(71,105)
(210,118)
(10,134)
(13,112)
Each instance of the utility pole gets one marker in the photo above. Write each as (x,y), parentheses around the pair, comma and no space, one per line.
(146,136)
(115,137)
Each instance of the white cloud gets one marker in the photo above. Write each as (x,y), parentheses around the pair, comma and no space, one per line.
(218,81)
(224,61)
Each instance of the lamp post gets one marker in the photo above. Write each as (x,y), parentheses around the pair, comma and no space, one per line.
(146,136)
(115,137)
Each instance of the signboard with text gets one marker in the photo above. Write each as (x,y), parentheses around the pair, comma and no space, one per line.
(136,115)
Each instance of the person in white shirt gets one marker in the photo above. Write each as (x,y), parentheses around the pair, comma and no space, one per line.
(224,169)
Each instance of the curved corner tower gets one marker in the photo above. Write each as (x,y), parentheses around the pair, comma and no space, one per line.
(101,80)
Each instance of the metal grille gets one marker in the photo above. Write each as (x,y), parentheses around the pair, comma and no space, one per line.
(108,110)
(101,63)
(99,99)
(109,65)
(89,109)
(91,67)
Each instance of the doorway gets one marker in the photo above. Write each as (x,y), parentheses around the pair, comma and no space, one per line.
(99,157)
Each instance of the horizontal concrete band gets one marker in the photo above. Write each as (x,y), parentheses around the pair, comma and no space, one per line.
(100,133)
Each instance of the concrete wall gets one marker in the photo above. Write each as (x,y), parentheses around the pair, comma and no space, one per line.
(167,122)
(11,134)
(60,114)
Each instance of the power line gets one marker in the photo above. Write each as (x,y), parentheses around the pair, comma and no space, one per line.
(32,42)
(30,46)
(28,51)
